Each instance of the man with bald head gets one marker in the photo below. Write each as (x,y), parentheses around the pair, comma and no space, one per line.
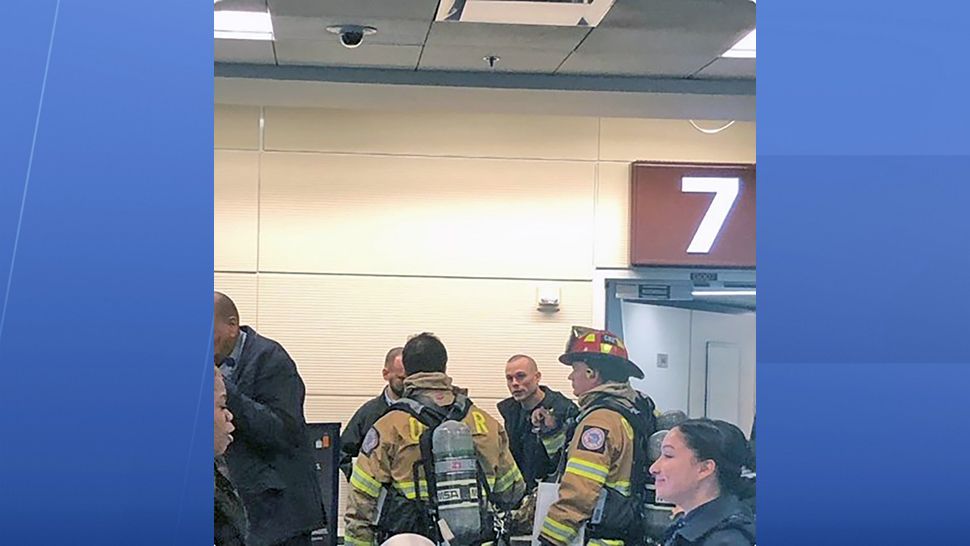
(270,459)
(535,418)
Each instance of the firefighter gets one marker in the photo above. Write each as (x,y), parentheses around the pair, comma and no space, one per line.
(602,483)
(393,462)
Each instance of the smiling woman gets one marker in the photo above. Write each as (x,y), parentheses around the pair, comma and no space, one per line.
(699,470)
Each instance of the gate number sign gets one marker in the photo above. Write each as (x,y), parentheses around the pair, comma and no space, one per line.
(693,215)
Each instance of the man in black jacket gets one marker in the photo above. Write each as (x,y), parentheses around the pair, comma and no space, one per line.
(372,410)
(270,459)
(535,418)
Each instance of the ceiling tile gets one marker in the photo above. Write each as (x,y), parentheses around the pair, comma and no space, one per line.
(471,59)
(729,68)
(244,51)
(331,53)
(661,37)
(241,5)
(423,10)
(516,36)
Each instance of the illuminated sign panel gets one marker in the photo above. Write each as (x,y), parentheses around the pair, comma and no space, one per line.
(692,215)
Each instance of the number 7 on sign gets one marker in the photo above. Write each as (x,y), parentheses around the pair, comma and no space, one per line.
(725,192)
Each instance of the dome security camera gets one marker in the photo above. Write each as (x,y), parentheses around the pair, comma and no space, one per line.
(351,36)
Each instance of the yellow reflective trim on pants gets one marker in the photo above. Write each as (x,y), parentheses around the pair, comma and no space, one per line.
(364,482)
(351,541)
(604,542)
(558,531)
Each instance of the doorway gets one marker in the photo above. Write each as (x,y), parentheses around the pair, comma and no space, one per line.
(692,332)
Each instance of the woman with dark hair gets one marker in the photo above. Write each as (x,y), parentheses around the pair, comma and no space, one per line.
(699,470)
(745,487)
(230,517)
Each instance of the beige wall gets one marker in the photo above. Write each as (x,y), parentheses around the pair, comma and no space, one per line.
(340,233)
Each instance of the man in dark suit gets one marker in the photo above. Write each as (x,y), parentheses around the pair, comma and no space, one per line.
(270,461)
(372,410)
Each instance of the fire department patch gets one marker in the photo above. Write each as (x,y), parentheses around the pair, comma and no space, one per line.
(593,439)
(370,441)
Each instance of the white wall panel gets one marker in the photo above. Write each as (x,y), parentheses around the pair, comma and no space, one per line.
(436,134)
(426,216)
(235,196)
(338,328)
(236,127)
(369,226)
(612,242)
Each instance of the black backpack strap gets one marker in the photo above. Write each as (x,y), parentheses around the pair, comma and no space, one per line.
(429,415)
(644,423)
(427,463)
(643,427)
(647,407)
(460,407)
(569,427)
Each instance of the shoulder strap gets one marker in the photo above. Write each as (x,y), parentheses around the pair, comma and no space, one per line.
(430,415)
(425,414)
(644,423)
(640,417)
(460,408)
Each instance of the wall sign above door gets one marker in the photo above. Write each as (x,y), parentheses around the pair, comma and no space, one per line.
(686,214)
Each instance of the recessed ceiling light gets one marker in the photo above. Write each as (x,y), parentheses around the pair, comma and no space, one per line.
(243,25)
(744,49)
